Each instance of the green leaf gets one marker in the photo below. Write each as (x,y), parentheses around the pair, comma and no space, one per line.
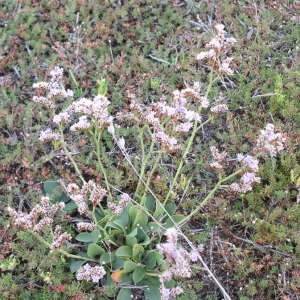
(124,294)
(136,250)
(129,266)
(64,198)
(142,233)
(154,273)
(51,187)
(107,257)
(102,220)
(159,258)
(130,240)
(154,227)
(61,213)
(88,237)
(150,202)
(100,212)
(152,293)
(124,251)
(149,260)
(169,284)
(138,274)
(113,225)
(126,278)
(169,223)
(82,254)
(138,216)
(124,217)
(94,249)
(75,265)
(95,235)
(84,237)
(70,205)
(120,224)
(118,263)
(146,241)
(159,211)
(133,232)
(110,239)
(171,208)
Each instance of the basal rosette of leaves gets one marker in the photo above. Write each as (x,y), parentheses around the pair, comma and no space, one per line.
(135,240)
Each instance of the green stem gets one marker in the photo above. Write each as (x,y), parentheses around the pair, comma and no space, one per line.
(211,82)
(142,202)
(209,196)
(103,229)
(69,155)
(143,167)
(97,138)
(62,251)
(150,176)
(191,138)
(187,150)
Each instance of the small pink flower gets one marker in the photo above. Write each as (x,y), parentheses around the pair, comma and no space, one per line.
(194,256)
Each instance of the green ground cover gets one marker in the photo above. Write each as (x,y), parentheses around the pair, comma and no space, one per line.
(251,241)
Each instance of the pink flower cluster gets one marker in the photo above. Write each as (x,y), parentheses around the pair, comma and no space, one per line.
(59,238)
(249,162)
(82,124)
(179,261)
(245,184)
(167,120)
(149,116)
(167,294)
(53,88)
(218,44)
(118,208)
(48,135)
(269,141)
(39,217)
(218,158)
(86,226)
(87,272)
(248,178)
(95,113)
(219,109)
(90,190)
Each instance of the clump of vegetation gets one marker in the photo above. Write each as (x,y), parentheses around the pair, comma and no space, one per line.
(149,50)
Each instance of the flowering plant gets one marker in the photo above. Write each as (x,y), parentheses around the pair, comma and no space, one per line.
(133,237)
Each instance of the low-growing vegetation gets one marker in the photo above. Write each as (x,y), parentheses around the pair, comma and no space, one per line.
(148,151)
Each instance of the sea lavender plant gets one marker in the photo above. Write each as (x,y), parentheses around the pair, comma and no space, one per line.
(122,233)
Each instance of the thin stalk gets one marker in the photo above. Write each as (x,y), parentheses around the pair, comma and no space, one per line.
(62,251)
(143,157)
(142,142)
(143,167)
(142,202)
(103,229)
(191,138)
(69,155)
(97,138)
(211,82)
(150,176)
(209,196)
(187,150)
